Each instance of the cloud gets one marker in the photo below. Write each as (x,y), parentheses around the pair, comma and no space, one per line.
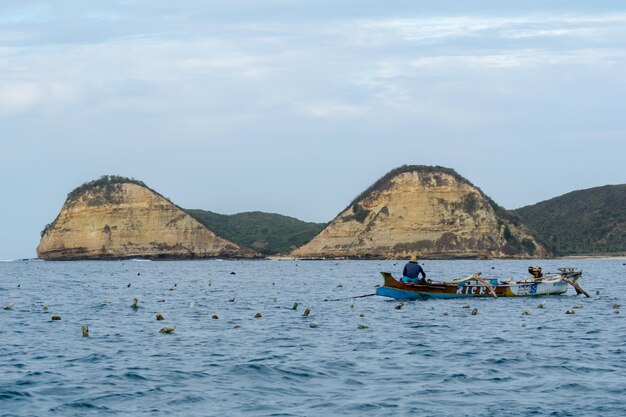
(15,98)
(334,110)
(450,28)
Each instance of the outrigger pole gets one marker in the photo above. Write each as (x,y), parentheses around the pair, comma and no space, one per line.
(577,287)
(349,298)
(486,284)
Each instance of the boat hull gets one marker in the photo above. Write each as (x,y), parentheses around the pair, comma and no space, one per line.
(399,290)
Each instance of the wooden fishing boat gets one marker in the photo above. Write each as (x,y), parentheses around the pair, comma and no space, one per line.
(477,286)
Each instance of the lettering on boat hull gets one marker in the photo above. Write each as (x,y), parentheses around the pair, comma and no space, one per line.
(472,290)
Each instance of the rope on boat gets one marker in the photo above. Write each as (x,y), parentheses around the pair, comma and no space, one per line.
(349,298)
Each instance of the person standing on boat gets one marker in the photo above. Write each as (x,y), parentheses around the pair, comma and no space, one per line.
(411,272)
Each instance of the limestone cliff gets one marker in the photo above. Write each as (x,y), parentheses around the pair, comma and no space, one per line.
(429,211)
(115,218)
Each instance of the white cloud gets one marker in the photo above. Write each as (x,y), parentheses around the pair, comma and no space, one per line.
(439,29)
(15,98)
(334,110)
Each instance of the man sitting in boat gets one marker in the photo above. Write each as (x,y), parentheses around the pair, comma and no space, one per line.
(411,272)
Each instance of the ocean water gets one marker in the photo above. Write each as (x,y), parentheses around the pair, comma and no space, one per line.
(410,361)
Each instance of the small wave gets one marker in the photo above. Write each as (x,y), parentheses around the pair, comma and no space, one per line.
(12,395)
(20,260)
(186,400)
(80,405)
(134,376)
(91,358)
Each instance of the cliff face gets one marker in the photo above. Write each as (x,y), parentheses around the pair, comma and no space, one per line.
(123,220)
(429,211)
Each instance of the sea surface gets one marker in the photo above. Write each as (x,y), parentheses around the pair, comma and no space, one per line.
(430,357)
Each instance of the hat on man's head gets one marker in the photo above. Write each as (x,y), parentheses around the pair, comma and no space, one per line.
(413,258)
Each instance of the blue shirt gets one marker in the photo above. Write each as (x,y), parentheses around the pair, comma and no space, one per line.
(412,270)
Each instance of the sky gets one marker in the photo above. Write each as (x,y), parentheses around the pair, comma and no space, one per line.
(296,106)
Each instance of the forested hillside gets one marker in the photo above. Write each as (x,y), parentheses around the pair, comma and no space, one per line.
(584,222)
(266,233)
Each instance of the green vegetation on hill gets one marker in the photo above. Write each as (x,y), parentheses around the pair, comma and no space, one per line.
(433,172)
(584,222)
(102,181)
(385,181)
(267,233)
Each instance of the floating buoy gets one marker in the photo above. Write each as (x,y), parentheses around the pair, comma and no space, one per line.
(231,299)
(133,305)
(167,330)
(362,326)
(306,312)
(10,305)
(314,325)
(55,317)
(570,312)
(474,311)
(85,330)
(399,306)
(258,315)
(214,317)
(294,306)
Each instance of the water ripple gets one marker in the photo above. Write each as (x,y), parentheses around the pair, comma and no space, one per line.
(364,357)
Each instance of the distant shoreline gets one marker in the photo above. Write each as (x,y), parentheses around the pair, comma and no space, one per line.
(592,257)
(289,258)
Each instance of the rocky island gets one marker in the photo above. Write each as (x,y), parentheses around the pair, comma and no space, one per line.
(431,211)
(116,218)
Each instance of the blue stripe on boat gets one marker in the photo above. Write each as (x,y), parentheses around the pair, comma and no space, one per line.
(411,295)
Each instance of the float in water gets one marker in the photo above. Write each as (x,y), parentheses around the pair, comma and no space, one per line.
(477,286)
